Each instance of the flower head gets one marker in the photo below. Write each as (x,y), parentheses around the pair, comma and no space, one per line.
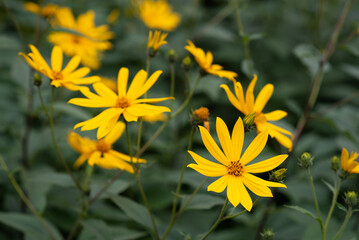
(158,15)
(205,61)
(348,163)
(67,77)
(100,152)
(156,40)
(248,105)
(124,102)
(45,11)
(234,172)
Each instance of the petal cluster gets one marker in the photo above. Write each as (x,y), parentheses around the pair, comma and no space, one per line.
(158,15)
(156,40)
(100,152)
(205,61)
(126,102)
(69,77)
(248,104)
(348,162)
(233,169)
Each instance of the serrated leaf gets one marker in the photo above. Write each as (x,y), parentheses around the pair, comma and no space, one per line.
(302,210)
(203,202)
(29,225)
(341,207)
(331,188)
(133,210)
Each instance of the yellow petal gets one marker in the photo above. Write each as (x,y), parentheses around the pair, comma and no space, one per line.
(83,102)
(206,167)
(129,117)
(152,100)
(122,79)
(29,61)
(140,110)
(219,185)
(250,95)
(148,84)
(224,139)
(56,59)
(95,122)
(80,160)
(237,139)
(115,133)
(39,59)
(238,89)
(259,181)
(86,80)
(104,91)
(72,65)
(108,123)
(275,115)
(125,157)
(255,148)
(75,141)
(94,158)
(232,98)
(263,97)
(79,73)
(137,83)
(212,147)
(111,162)
(259,190)
(266,165)
(344,158)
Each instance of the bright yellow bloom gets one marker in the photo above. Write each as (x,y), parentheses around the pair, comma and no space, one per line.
(156,40)
(233,170)
(126,102)
(67,77)
(110,83)
(348,163)
(247,105)
(205,62)
(100,152)
(158,15)
(88,41)
(45,11)
(154,118)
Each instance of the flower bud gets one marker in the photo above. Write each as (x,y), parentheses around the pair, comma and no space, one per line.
(334,163)
(278,175)
(248,121)
(200,117)
(171,55)
(306,160)
(37,80)
(267,234)
(186,63)
(351,198)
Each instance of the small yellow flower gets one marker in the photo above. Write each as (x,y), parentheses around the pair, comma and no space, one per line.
(155,118)
(45,11)
(67,77)
(348,163)
(100,152)
(156,40)
(125,102)
(248,106)
(234,173)
(113,16)
(158,15)
(205,62)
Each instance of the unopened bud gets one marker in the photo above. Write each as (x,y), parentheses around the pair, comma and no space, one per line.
(186,63)
(267,234)
(278,175)
(306,160)
(172,56)
(200,117)
(351,198)
(334,163)
(248,121)
(37,79)
(151,52)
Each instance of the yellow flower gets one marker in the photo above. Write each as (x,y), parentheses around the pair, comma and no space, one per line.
(158,15)
(233,170)
(113,16)
(205,62)
(87,41)
(248,106)
(125,102)
(348,163)
(67,77)
(45,11)
(100,152)
(156,40)
(110,83)
(154,118)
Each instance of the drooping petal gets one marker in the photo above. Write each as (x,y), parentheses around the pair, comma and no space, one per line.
(266,165)
(115,133)
(94,158)
(232,98)
(237,139)
(111,162)
(212,147)
(263,97)
(275,115)
(245,199)
(259,181)
(224,139)
(56,59)
(255,148)
(122,80)
(219,185)
(259,190)
(137,83)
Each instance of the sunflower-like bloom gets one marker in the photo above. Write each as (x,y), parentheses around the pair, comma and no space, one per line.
(247,105)
(205,62)
(156,40)
(125,102)
(100,152)
(348,163)
(158,15)
(88,41)
(45,11)
(68,77)
(233,170)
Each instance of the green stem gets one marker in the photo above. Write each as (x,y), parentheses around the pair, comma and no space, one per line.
(138,181)
(178,189)
(24,198)
(218,220)
(347,217)
(240,213)
(334,200)
(52,131)
(172,89)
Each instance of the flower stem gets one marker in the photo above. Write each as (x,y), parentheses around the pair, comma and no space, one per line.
(178,189)
(347,217)
(172,89)
(138,181)
(218,220)
(52,131)
(334,200)
(24,198)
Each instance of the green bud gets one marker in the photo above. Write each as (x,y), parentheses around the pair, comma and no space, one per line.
(37,79)
(248,121)
(351,198)
(306,160)
(334,163)
(172,55)
(186,63)
(267,234)
(278,175)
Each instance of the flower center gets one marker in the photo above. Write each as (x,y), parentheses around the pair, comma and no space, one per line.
(102,146)
(122,102)
(57,75)
(235,168)
(76,39)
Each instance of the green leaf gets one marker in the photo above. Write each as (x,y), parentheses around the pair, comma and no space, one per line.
(74,111)
(203,202)
(304,211)
(29,225)
(116,188)
(133,210)
(331,188)
(246,67)
(256,36)
(59,179)
(341,207)
(351,70)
